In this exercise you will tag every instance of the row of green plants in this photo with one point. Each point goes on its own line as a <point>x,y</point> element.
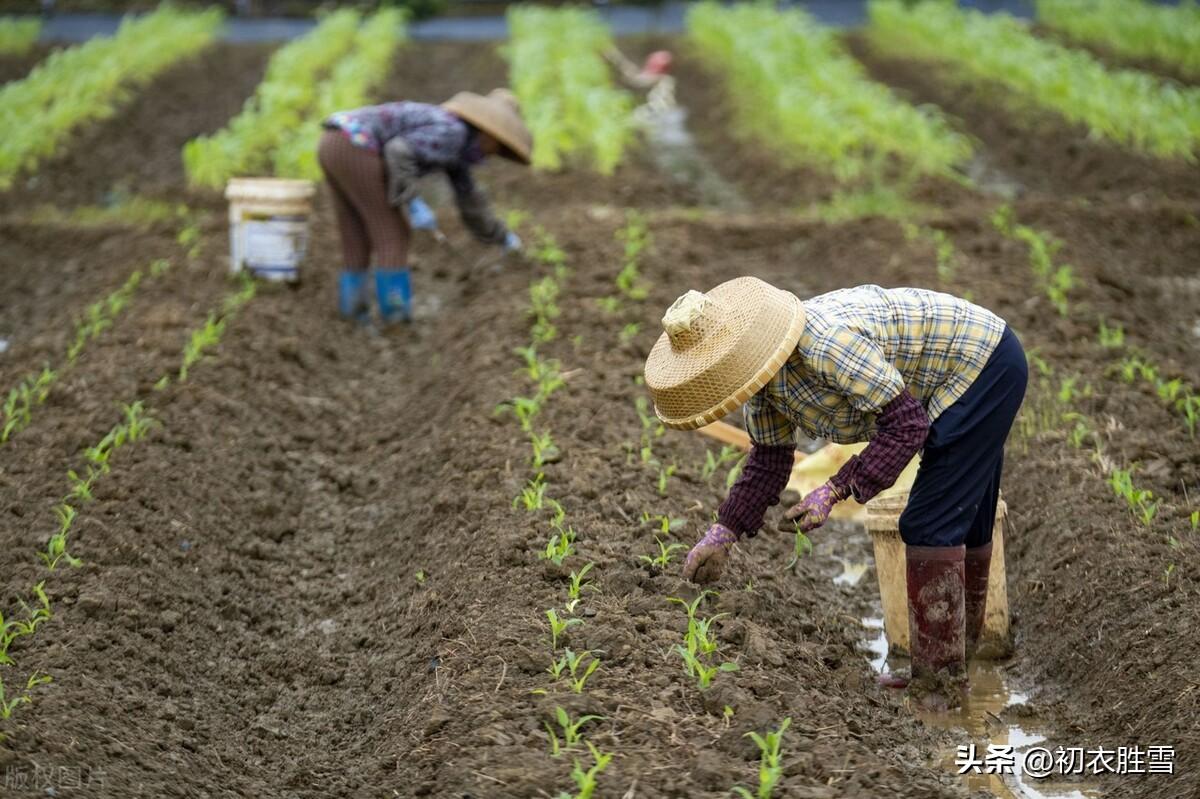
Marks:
<point>349,86</point>
<point>558,72</point>
<point>136,423</point>
<point>329,69</point>
<point>1052,278</point>
<point>91,81</point>
<point>800,92</point>
<point>34,388</point>
<point>1169,35</point>
<point>1130,108</point>
<point>574,669</point>
<point>18,36</point>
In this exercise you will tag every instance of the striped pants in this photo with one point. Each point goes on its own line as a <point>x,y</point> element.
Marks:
<point>367,222</point>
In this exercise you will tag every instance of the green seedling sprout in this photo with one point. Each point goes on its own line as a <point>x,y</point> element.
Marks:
<point>1111,338</point>
<point>695,667</point>
<point>574,664</point>
<point>570,729</point>
<point>420,576</point>
<point>770,770</point>
<point>532,496</point>
<point>629,332</point>
<point>1194,520</point>
<point>24,698</point>
<point>558,627</point>
<point>575,589</point>
<point>665,551</point>
<point>544,449</point>
<point>559,547</point>
<point>610,305</point>
<point>56,547</point>
<point>712,462</point>
<point>585,781</point>
<point>665,473</point>
<point>801,546</point>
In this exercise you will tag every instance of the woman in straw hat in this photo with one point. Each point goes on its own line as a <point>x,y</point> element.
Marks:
<point>905,369</point>
<point>372,158</point>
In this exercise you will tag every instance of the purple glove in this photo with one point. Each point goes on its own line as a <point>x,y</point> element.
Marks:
<point>707,559</point>
<point>812,511</point>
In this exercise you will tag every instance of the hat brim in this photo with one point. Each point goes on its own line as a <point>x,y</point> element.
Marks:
<point>476,110</point>
<point>778,358</point>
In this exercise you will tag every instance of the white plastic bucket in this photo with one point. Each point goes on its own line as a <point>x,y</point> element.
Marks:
<point>268,226</point>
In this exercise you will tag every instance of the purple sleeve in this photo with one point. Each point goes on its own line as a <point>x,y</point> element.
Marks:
<point>902,427</point>
<point>763,478</point>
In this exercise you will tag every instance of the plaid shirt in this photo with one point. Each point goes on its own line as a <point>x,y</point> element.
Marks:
<point>860,348</point>
<point>437,138</point>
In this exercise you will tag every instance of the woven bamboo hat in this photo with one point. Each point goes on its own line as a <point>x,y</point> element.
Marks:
<point>499,116</point>
<point>719,349</point>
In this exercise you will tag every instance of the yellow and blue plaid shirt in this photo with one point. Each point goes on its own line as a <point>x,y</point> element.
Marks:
<point>860,348</point>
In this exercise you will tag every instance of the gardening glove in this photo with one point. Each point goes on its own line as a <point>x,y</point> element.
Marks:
<point>706,560</point>
<point>512,242</point>
<point>420,215</point>
<point>812,511</point>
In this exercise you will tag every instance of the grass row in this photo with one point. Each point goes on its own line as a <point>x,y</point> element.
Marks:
<point>91,81</point>
<point>136,423</point>
<point>329,69</point>
<point>1130,108</point>
<point>799,92</point>
<point>1169,35</point>
<point>565,87</point>
<point>18,36</point>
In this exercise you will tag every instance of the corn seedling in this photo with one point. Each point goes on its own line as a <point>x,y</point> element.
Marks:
<point>666,525</point>
<point>575,589</point>
<point>1130,108</point>
<point>801,546</point>
<point>1141,502</point>
<point>804,95</point>
<point>570,729</point>
<point>585,781</point>
<point>544,450</point>
<point>636,238</point>
<point>1129,28</point>
<point>629,332</point>
<point>560,546</point>
<point>712,462</point>
<point>947,257</point>
<point>524,408</point>
<point>579,672</point>
<point>558,627</point>
<point>1055,281</point>
<point>770,769</point>
<point>533,495</point>
<point>610,305</point>
<point>12,629</point>
<point>7,706</point>
<point>699,645</point>
<point>665,473</point>
<point>1111,338</point>
<point>420,576</point>
<point>735,472</point>
<point>665,552</point>
<point>56,547</point>
<point>101,75</point>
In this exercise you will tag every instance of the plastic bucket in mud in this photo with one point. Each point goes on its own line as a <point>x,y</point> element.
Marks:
<point>883,522</point>
<point>268,226</point>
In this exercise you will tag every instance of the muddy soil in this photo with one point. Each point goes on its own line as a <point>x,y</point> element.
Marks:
<point>250,621</point>
<point>138,150</point>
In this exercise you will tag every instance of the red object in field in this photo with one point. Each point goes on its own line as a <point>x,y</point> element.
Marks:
<point>658,63</point>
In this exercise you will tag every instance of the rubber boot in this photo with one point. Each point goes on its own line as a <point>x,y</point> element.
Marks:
<point>977,571</point>
<point>353,302</point>
<point>393,288</point>
<point>936,623</point>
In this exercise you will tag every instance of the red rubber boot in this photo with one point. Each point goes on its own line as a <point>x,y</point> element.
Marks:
<point>978,564</point>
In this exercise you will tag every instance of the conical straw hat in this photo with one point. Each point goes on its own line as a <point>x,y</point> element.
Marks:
<point>499,115</point>
<point>719,349</point>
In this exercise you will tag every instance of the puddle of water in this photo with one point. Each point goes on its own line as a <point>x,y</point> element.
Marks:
<point>988,696</point>
<point>851,572</point>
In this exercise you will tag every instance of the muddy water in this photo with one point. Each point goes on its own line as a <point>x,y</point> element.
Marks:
<point>984,717</point>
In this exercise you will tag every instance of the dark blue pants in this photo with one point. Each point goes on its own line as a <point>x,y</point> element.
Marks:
<point>953,499</point>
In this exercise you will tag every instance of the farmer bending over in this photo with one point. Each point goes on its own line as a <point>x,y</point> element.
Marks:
<point>906,369</point>
<point>372,158</point>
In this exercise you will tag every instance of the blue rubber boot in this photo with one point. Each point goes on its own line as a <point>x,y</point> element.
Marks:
<point>393,288</point>
<point>353,301</point>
